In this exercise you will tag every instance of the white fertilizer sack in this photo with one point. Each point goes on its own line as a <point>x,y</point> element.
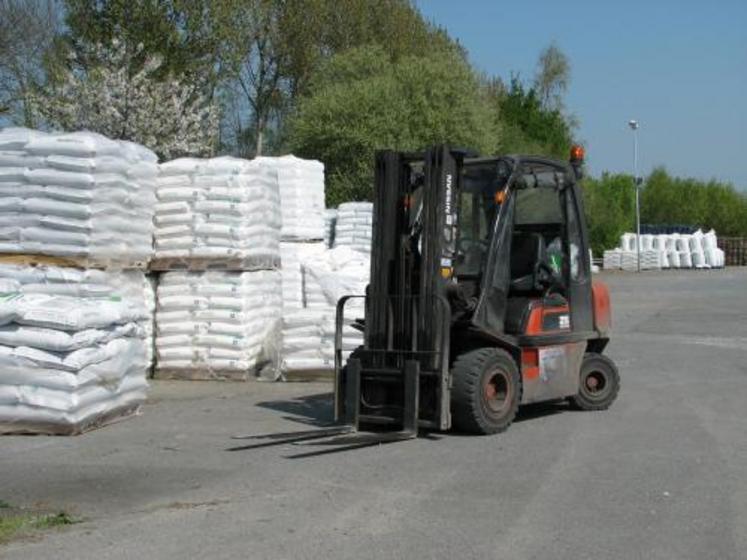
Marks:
<point>73,347</point>
<point>223,208</point>
<point>76,195</point>
<point>218,321</point>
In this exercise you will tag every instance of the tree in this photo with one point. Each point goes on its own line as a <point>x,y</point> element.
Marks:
<point>192,38</point>
<point>552,77</point>
<point>287,40</point>
<point>362,100</point>
<point>167,115</point>
<point>27,32</point>
<point>610,209</point>
<point>528,126</point>
<point>256,56</point>
<point>668,200</point>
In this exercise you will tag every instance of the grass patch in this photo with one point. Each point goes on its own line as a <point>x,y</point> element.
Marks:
<point>11,526</point>
<point>16,522</point>
<point>55,520</point>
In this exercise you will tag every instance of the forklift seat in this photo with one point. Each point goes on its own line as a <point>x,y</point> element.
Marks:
<point>527,251</point>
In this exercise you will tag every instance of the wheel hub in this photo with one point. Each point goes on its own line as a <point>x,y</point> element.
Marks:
<point>595,382</point>
<point>496,391</point>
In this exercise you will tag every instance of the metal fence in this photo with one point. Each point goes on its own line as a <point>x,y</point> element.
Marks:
<point>735,250</point>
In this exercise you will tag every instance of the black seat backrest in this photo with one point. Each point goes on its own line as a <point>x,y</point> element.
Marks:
<point>527,249</point>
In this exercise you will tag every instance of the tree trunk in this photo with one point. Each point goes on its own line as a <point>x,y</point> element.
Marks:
<point>260,136</point>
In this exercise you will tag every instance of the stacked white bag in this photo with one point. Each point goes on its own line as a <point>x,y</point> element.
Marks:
<point>224,209</point>
<point>73,348</point>
<point>666,251</point>
<point>301,183</point>
<point>298,293</point>
<point>354,226</point>
<point>612,259</point>
<point>218,324</point>
<point>305,309</point>
<point>223,214</point>
<point>308,334</point>
<point>714,257</point>
<point>76,195</point>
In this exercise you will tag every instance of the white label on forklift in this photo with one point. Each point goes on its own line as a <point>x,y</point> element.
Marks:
<point>551,362</point>
<point>565,322</point>
<point>446,262</point>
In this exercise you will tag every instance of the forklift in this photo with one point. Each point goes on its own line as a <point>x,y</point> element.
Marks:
<point>480,299</point>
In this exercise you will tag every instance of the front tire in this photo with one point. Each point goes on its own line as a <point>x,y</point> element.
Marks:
<point>486,391</point>
<point>599,383</point>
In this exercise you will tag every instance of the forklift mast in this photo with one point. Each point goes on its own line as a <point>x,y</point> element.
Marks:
<point>407,312</point>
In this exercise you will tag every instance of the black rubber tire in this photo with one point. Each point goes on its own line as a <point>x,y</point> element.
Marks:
<point>473,409</point>
<point>603,371</point>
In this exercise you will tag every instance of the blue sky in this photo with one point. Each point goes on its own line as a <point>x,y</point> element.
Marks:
<point>679,67</point>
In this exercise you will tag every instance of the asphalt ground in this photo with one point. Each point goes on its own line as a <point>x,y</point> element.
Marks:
<point>661,475</point>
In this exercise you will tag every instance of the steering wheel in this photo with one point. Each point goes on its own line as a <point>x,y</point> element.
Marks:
<point>547,279</point>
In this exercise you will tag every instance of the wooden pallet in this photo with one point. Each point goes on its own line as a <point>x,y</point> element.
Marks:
<point>310,375</point>
<point>165,264</point>
<point>68,262</point>
<point>202,374</point>
<point>50,429</point>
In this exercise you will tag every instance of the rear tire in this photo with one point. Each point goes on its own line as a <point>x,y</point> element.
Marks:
<point>599,383</point>
<point>486,391</point>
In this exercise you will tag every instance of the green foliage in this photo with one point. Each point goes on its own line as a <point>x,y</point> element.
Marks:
<point>15,522</point>
<point>711,204</point>
<point>609,203</point>
<point>298,36</point>
<point>192,37</point>
<point>54,520</point>
<point>528,126</point>
<point>363,100</point>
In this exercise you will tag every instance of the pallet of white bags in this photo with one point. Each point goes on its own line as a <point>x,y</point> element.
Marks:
<point>202,374</point>
<point>54,429</point>
<point>24,259</point>
<point>309,375</point>
<point>198,264</point>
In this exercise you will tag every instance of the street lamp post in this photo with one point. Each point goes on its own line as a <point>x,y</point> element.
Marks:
<point>633,124</point>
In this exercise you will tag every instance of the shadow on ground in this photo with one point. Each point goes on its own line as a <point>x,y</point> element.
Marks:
<point>312,410</point>
<point>318,409</point>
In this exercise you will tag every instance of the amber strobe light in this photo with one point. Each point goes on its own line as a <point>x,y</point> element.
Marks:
<point>577,153</point>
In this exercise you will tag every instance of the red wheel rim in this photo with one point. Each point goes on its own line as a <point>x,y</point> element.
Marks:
<point>496,391</point>
<point>595,384</point>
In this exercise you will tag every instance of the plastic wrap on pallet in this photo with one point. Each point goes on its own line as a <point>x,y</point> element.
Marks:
<point>78,195</point>
<point>73,347</point>
<point>301,183</point>
<point>218,324</point>
<point>223,210</point>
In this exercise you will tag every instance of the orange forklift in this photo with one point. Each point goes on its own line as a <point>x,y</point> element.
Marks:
<point>480,299</point>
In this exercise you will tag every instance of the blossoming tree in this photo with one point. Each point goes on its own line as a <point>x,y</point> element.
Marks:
<point>169,116</point>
